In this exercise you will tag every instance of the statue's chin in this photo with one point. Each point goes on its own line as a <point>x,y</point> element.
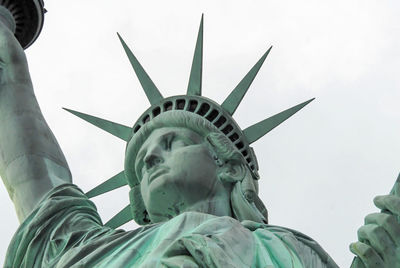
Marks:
<point>164,200</point>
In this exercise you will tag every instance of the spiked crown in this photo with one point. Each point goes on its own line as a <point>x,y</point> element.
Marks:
<point>193,102</point>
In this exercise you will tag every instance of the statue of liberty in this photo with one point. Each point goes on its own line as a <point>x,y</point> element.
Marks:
<point>193,179</point>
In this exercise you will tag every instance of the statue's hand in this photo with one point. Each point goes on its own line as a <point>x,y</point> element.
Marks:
<point>379,238</point>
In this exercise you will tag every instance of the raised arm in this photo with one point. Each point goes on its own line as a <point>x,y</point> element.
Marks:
<point>31,161</point>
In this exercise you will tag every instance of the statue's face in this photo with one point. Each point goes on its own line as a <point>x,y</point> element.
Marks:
<point>176,171</point>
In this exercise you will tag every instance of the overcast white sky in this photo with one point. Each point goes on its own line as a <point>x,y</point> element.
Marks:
<point>320,170</point>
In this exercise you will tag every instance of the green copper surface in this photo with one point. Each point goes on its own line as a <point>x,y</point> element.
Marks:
<point>231,103</point>
<point>118,130</point>
<point>378,242</point>
<point>191,239</point>
<point>113,183</point>
<point>195,79</point>
<point>193,92</point>
<point>258,130</point>
<point>395,186</point>
<point>31,161</point>
<point>195,189</point>
<point>152,92</point>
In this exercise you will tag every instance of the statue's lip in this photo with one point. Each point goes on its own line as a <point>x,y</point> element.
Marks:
<point>157,172</point>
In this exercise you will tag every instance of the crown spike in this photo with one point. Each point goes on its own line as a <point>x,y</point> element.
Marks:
<point>113,183</point>
<point>152,92</point>
<point>231,103</point>
<point>118,130</point>
<point>194,87</point>
<point>259,129</point>
<point>122,217</point>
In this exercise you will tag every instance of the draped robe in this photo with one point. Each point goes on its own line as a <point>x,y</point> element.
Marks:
<point>65,230</point>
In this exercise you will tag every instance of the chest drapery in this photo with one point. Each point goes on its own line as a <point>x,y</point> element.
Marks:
<point>66,231</point>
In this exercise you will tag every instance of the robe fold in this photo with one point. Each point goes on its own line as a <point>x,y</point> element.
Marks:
<point>65,230</point>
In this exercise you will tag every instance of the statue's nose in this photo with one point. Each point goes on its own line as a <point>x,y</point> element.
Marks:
<point>153,157</point>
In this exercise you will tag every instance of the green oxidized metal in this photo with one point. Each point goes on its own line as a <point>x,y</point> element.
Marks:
<point>193,102</point>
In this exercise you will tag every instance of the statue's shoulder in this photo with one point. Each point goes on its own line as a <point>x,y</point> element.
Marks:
<point>311,253</point>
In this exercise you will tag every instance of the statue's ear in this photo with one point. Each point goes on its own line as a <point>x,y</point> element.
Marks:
<point>232,170</point>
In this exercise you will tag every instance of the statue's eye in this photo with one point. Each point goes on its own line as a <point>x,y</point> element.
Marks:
<point>174,141</point>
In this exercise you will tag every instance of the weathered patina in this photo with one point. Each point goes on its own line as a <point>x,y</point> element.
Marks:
<point>194,186</point>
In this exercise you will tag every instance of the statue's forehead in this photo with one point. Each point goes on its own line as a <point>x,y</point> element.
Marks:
<point>158,133</point>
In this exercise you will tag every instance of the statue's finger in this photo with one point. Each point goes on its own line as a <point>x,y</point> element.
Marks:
<point>357,263</point>
<point>388,202</point>
<point>367,254</point>
<point>396,187</point>
<point>388,222</point>
<point>375,236</point>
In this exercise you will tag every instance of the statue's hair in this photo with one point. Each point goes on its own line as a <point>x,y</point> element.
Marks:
<point>244,198</point>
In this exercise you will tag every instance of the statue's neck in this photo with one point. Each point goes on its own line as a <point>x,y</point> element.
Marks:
<point>218,206</point>
<point>215,203</point>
